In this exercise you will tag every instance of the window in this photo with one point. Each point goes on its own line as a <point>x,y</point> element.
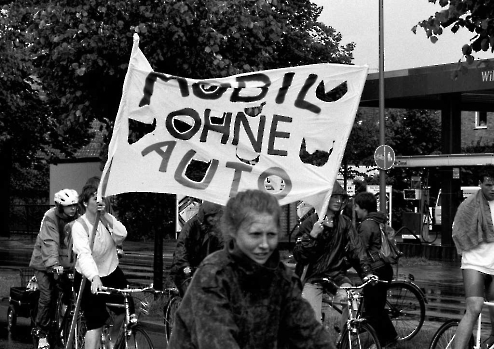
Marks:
<point>480,119</point>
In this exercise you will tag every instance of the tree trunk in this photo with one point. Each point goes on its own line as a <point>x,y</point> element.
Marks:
<point>6,161</point>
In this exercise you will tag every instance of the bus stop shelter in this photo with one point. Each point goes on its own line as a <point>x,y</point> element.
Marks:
<point>451,89</point>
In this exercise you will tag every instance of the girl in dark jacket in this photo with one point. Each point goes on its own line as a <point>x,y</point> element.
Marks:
<point>243,296</point>
<point>375,295</point>
<point>328,247</point>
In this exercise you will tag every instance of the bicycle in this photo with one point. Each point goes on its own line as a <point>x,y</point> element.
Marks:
<point>357,332</point>
<point>444,336</point>
<point>405,304</point>
<point>59,316</point>
<point>131,334</point>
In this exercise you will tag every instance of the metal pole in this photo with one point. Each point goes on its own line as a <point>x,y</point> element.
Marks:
<point>382,140</point>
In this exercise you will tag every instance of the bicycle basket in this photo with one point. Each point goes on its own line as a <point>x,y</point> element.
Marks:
<point>26,275</point>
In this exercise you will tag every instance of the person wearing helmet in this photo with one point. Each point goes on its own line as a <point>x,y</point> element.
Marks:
<point>46,258</point>
<point>199,237</point>
<point>328,247</point>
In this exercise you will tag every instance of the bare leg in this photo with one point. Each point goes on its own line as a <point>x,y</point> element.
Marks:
<point>474,293</point>
<point>115,329</point>
<point>93,338</point>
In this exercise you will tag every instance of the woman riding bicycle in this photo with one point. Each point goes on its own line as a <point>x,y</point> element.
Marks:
<point>99,264</point>
<point>328,247</point>
<point>47,261</point>
<point>244,296</point>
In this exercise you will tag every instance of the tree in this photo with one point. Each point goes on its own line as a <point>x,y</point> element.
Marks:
<point>408,132</point>
<point>79,50</point>
<point>476,16</point>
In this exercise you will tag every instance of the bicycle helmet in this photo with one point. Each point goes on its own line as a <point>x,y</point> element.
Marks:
<point>66,197</point>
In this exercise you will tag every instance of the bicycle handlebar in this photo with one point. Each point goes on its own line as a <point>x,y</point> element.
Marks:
<point>109,290</point>
<point>328,283</point>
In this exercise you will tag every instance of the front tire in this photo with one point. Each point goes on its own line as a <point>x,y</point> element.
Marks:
<point>443,338</point>
<point>360,336</point>
<point>169,313</point>
<point>139,339</point>
<point>406,308</point>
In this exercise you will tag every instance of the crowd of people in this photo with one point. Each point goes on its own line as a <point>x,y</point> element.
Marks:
<point>226,266</point>
<point>237,293</point>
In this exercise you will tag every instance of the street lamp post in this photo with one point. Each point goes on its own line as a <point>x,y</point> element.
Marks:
<point>382,139</point>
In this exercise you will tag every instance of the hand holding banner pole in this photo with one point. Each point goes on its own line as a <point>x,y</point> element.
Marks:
<point>322,213</point>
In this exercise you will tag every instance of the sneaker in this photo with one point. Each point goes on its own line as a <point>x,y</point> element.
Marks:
<point>43,343</point>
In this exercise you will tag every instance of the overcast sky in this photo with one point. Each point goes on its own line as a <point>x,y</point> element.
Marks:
<point>358,21</point>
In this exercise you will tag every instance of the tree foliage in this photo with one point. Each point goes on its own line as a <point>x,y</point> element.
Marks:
<point>408,132</point>
<point>474,15</point>
<point>77,54</point>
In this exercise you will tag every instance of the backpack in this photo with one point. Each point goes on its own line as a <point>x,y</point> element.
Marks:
<point>389,252</point>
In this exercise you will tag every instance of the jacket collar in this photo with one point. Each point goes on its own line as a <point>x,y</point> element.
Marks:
<point>247,264</point>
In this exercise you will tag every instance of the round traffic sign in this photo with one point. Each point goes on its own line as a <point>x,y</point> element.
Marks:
<point>384,156</point>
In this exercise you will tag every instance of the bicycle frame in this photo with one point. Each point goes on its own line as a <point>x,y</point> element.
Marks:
<point>127,325</point>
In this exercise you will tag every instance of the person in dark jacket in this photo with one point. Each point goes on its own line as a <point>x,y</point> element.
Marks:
<point>199,237</point>
<point>244,296</point>
<point>375,294</point>
<point>328,247</point>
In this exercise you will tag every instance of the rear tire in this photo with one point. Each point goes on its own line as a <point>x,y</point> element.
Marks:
<point>169,315</point>
<point>406,308</point>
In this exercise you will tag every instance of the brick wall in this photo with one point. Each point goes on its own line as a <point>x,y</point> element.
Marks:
<point>470,134</point>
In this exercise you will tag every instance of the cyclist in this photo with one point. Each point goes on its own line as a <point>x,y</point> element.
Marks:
<point>46,259</point>
<point>99,264</point>
<point>244,296</point>
<point>199,237</point>
<point>473,235</point>
<point>328,247</point>
<point>365,206</point>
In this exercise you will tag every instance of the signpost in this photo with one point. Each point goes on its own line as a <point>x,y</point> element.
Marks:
<point>384,156</point>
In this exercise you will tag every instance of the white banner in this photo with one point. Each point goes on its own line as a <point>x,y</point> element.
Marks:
<point>249,129</point>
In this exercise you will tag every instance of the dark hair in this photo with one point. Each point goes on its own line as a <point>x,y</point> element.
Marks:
<point>87,192</point>
<point>245,205</point>
<point>486,171</point>
<point>366,201</point>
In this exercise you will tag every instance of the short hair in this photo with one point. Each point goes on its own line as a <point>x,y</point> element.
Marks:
<point>366,201</point>
<point>486,171</point>
<point>87,192</point>
<point>244,206</point>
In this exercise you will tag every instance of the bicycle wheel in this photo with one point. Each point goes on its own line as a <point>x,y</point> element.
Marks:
<point>444,336</point>
<point>406,309</point>
<point>360,336</point>
<point>79,330</point>
<point>139,339</point>
<point>169,312</point>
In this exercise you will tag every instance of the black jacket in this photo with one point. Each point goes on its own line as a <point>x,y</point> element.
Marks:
<point>333,252</point>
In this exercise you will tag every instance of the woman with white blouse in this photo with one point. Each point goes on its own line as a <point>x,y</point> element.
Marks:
<point>98,263</point>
